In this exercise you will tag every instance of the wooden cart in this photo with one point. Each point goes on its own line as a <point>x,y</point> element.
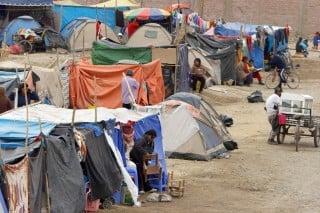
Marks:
<point>300,125</point>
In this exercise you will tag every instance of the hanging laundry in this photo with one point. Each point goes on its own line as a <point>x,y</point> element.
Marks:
<point>65,177</point>
<point>17,185</point>
<point>36,179</point>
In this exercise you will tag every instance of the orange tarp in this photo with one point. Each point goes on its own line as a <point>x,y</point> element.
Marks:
<point>108,84</point>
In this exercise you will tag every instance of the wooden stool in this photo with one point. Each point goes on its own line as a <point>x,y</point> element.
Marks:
<point>175,187</point>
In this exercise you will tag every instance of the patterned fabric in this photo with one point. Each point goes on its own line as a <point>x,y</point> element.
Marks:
<point>17,185</point>
<point>80,139</point>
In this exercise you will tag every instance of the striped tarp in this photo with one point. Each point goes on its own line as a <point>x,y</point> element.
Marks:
<point>27,2</point>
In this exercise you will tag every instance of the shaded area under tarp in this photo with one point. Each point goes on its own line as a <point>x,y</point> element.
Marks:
<point>51,37</point>
<point>103,53</point>
<point>217,49</point>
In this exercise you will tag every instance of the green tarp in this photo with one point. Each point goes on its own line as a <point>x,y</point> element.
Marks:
<point>104,53</point>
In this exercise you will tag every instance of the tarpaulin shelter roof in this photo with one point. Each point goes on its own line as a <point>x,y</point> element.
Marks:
<point>108,84</point>
<point>26,2</point>
<point>107,4</point>
<point>107,53</point>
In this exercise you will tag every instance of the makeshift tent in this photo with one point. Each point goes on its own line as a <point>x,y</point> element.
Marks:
<point>107,53</point>
<point>150,34</point>
<point>258,40</point>
<point>217,49</point>
<point>81,33</point>
<point>212,66</point>
<point>108,84</point>
<point>21,22</point>
<point>105,11</point>
<point>52,116</point>
<point>51,37</point>
<point>48,87</point>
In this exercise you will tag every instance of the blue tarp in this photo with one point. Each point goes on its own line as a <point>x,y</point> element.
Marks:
<point>143,125</point>
<point>233,29</point>
<point>15,25</point>
<point>13,132</point>
<point>70,13</point>
<point>26,2</point>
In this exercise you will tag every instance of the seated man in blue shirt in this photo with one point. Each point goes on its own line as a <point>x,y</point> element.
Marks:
<point>32,97</point>
<point>277,64</point>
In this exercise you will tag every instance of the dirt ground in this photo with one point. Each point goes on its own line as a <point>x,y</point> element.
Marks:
<point>258,177</point>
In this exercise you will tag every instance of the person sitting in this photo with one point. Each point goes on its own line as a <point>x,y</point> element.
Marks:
<point>255,72</point>
<point>142,147</point>
<point>298,47</point>
<point>5,103</point>
<point>304,47</point>
<point>197,74</point>
<point>23,90</point>
<point>244,76</point>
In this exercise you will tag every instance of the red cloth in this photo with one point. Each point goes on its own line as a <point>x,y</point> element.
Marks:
<point>257,76</point>
<point>132,27</point>
<point>249,42</point>
<point>98,30</point>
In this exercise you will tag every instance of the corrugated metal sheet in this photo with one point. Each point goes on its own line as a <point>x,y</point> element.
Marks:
<point>27,2</point>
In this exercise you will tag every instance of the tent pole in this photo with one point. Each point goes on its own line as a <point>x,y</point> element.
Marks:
<point>27,109</point>
<point>105,20</point>
<point>95,98</point>
<point>83,35</point>
<point>73,116</point>
<point>97,21</point>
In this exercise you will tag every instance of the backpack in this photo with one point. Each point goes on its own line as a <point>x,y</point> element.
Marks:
<point>255,97</point>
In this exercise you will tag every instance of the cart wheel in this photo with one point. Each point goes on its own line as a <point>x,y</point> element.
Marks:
<point>316,136</point>
<point>297,135</point>
<point>26,46</point>
<point>281,134</point>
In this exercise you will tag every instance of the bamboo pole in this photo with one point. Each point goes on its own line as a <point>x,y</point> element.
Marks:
<point>27,109</point>
<point>95,98</point>
<point>97,34</point>
<point>105,20</point>
<point>83,37</point>
<point>73,116</point>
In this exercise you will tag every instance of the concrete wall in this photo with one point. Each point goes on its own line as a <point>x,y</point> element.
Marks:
<point>302,15</point>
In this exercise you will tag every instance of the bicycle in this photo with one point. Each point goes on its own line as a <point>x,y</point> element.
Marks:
<point>286,56</point>
<point>287,77</point>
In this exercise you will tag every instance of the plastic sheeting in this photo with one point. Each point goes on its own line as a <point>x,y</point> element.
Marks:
<point>183,69</point>
<point>13,132</point>
<point>108,84</point>
<point>68,14</point>
<point>105,54</point>
<point>223,50</point>
<point>26,2</point>
<point>65,177</point>
<point>233,29</point>
<point>143,125</point>
<point>9,83</point>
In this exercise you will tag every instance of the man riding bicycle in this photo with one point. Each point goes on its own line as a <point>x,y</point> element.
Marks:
<point>278,65</point>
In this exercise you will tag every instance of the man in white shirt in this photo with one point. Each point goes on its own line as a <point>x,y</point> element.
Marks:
<point>272,108</point>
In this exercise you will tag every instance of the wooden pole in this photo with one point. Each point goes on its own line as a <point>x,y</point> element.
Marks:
<point>83,36</point>
<point>95,98</point>
<point>27,109</point>
<point>105,20</point>
<point>73,116</point>
<point>97,34</point>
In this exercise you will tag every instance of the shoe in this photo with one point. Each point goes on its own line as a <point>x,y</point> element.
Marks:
<point>272,142</point>
<point>141,192</point>
<point>261,83</point>
<point>153,190</point>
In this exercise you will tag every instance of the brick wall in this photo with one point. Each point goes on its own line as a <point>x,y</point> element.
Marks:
<point>302,15</point>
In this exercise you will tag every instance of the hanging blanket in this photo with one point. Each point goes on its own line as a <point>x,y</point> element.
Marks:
<point>17,185</point>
